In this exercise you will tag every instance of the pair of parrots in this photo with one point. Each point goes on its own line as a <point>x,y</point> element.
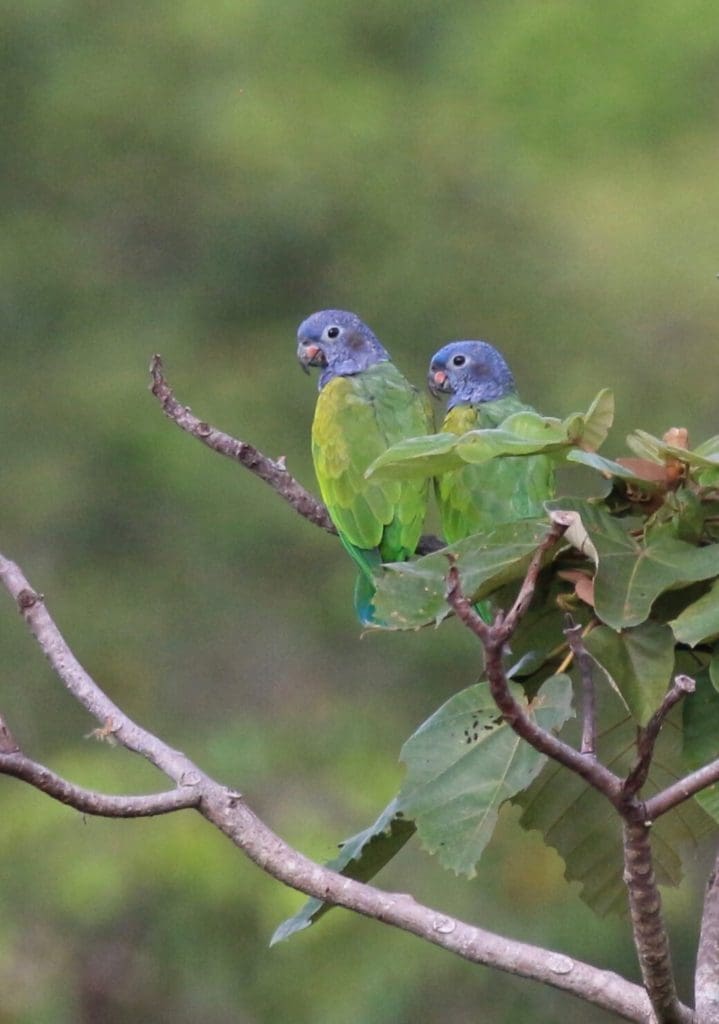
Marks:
<point>365,405</point>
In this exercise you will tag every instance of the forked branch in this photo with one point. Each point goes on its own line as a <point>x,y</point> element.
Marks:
<point>649,931</point>
<point>230,813</point>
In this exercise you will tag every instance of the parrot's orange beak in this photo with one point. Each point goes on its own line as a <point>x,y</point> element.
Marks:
<point>437,382</point>
<point>310,354</point>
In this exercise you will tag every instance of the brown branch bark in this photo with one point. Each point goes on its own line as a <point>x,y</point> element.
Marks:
<point>272,471</point>
<point>493,640</point>
<point>649,933</point>
<point>680,791</point>
<point>88,801</point>
<point>706,977</point>
<point>573,633</point>
<point>648,736</point>
<point>650,936</point>
<point>506,626</point>
<point>229,812</point>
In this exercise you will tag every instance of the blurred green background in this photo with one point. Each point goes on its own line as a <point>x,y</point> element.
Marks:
<point>194,179</point>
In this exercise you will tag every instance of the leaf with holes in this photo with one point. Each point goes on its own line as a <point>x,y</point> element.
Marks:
<point>583,827</point>
<point>464,762</point>
<point>361,857</point>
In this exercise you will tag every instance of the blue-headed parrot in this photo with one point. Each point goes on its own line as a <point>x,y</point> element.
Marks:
<point>364,406</point>
<point>478,497</point>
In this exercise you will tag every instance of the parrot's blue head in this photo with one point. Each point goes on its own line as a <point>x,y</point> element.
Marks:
<point>471,372</point>
<point>339,343</point>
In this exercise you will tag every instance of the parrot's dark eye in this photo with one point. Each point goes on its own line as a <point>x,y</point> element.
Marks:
<point>459,361</point>
<point>333,332</point>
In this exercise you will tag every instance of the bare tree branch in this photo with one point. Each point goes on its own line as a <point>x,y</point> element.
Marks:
<point>272,471</point>
<point>706,977</point>
<point>681,790</point>
<point>649,933</point>
<point>648,736</point>
<point>230,813</point>
<point>573,633</point>
<point>90,802</point>
<point>529,584</point>
<point>493,639</point>
<point>650,936</point>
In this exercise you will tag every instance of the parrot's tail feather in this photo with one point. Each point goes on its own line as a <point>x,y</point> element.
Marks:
<point>363,600</point>
<point>369,562</point>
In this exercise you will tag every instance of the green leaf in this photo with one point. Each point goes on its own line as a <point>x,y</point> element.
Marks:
<point>701,728</point>
<point>687,515</point>
<point>706,456</point>
<point>464,762</point>
<point>597,421</point>
<point>714,669</point>
<point>646,446</point>
<point>583,826</point>
<point>613,469</point>
<point>632,573</point>
<point>522,433</point>
<point>639,662</point>
<point>700,621</point>
<point>411,594</point>
<point>361,857</point>
<point>708,477</point>
<point>417,457</point>
<point>525,433</point>
<point>708,448</point>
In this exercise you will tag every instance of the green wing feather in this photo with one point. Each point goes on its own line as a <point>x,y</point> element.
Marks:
<point>356,419</point>
<point>476,498</point>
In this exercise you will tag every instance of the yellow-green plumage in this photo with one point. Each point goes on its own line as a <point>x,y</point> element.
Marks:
<point>358,417</point>
<point>477,498</point>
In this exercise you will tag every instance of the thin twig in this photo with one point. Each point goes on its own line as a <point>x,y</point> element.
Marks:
<point>272,471</point>
<point>648,736</point>
<point>706,986</point>
<point>573,633</point>
<point>681,790</point>
<point>230,813</point>
<point>89,801</point>
<point>529,584</point>
<point>493,639</point>
<point>649,932</point>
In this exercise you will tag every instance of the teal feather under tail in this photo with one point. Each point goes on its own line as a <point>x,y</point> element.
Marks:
<point>369,563</point>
